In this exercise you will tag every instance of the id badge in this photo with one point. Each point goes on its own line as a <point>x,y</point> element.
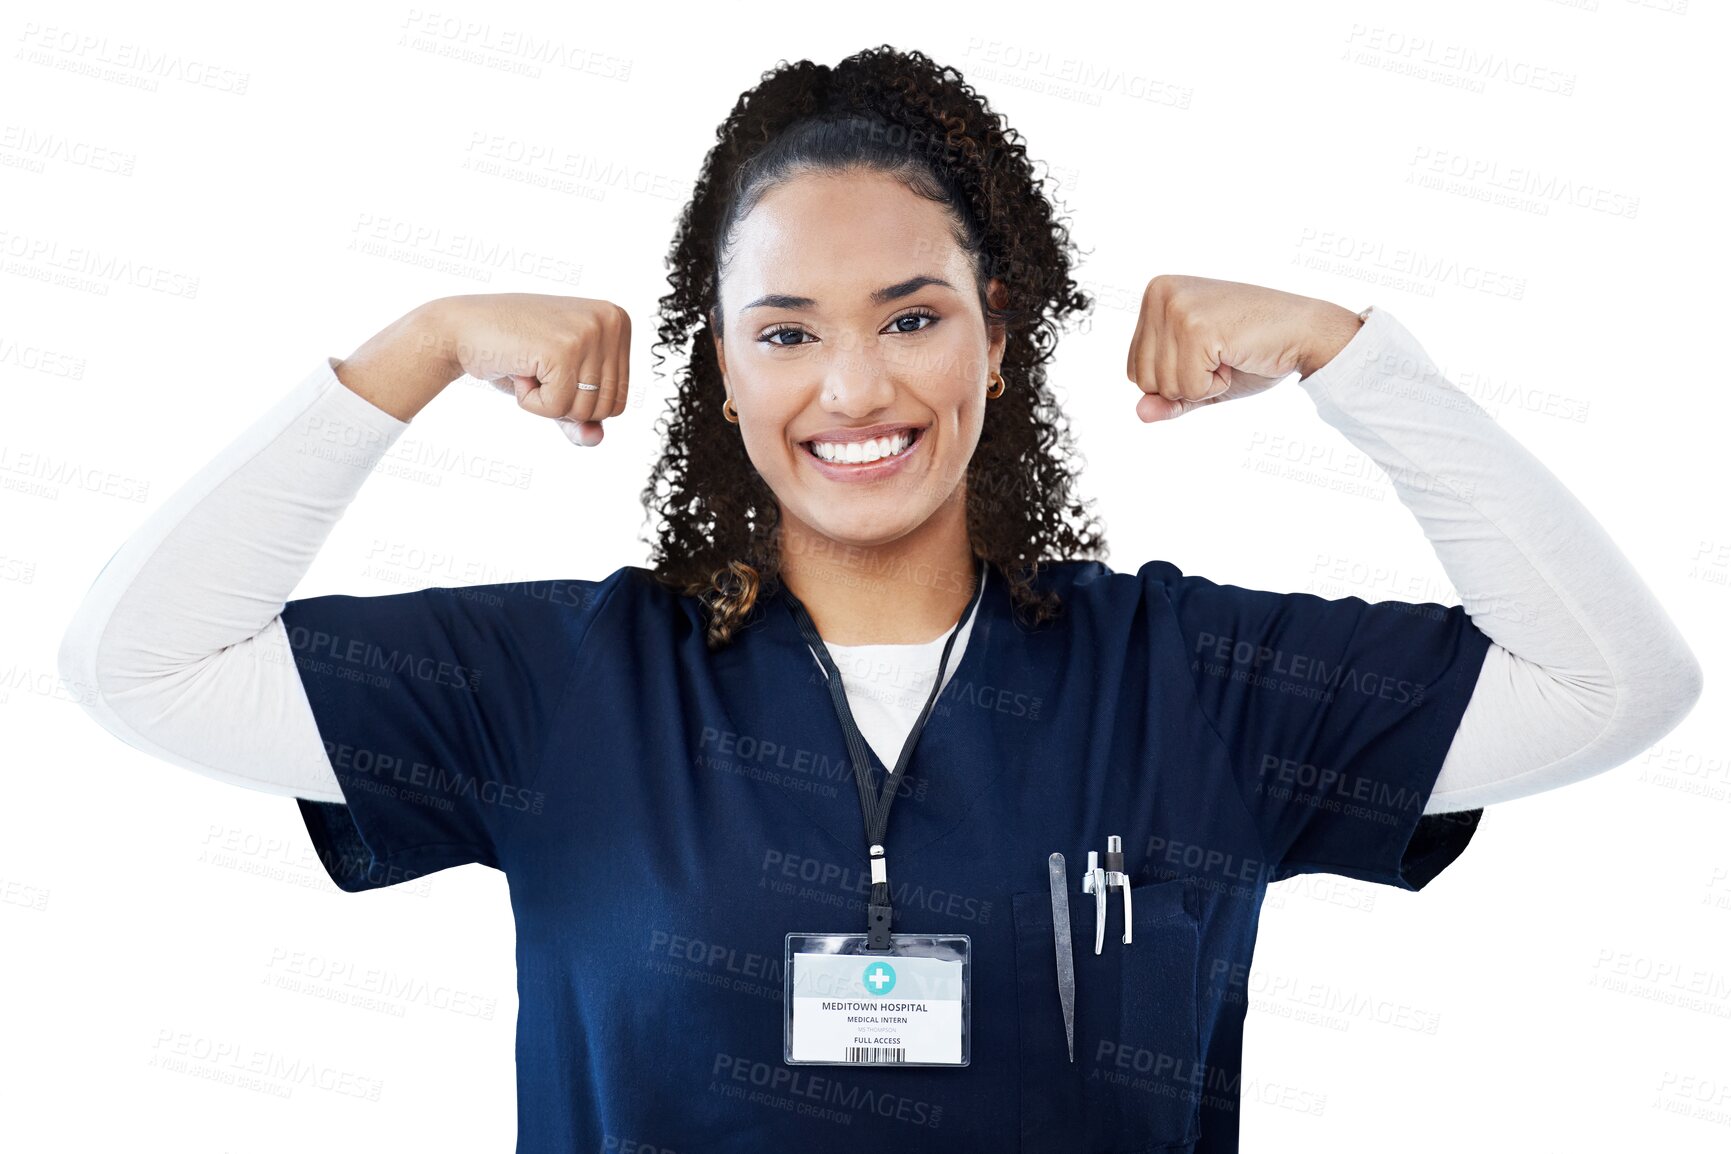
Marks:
<point>843,1005</point>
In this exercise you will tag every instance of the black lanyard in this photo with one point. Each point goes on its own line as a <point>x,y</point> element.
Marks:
<point>873,804</point>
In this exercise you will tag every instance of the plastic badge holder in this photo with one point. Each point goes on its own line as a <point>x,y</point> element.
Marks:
<point>905,1006</point>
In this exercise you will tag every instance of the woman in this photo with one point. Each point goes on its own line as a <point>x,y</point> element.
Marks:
<point>865,501</point>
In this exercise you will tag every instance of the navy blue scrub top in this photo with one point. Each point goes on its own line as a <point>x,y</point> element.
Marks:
<point>665,815</point>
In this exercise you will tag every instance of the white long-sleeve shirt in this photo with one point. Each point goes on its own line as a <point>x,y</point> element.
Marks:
<point>180,646</point>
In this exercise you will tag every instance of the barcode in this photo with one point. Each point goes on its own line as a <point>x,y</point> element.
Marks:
<point>876,1054</point>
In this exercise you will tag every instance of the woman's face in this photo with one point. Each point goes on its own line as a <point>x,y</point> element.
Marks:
<point>854,331</point>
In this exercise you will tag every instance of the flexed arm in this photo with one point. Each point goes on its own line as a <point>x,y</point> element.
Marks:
<point>178,647</point>
<point>1586,669</point>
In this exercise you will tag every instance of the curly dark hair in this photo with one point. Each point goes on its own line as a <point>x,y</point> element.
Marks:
<point>879,110</point>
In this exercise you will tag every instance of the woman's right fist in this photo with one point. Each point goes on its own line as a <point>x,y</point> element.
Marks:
<point>565,358</point>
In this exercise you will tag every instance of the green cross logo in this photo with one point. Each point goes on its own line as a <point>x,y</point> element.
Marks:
<point>880,978</point>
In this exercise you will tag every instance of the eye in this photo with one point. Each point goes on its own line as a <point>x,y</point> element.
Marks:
<point>769,336</point>
<point>922,311</point>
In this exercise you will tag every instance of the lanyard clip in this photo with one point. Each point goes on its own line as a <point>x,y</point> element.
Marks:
<point>1097,880</point>
<point>878,916</point>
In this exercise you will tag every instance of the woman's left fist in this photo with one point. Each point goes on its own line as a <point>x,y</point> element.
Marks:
<point>1199,341</point>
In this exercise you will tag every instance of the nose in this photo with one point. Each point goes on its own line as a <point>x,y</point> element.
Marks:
<point>856,386</point>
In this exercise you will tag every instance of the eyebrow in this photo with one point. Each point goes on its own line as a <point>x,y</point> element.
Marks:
<point>882,296</point>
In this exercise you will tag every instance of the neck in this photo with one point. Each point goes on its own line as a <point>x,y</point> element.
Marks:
<point>907,591</point>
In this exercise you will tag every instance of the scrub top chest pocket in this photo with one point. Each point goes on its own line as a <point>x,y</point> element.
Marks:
<point>1134,1086</point>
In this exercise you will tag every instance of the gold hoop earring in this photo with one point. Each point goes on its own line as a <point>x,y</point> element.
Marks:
<point>996,388</point>
<point>728,411</point>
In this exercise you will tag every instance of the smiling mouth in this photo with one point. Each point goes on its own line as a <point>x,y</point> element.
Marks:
<point>864,452</point>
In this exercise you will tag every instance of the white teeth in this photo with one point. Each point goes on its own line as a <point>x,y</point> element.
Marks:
<point>860,452</point>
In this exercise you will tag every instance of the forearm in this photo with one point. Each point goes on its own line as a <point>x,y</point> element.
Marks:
<point>404,366</point>
<point>1587,668</point>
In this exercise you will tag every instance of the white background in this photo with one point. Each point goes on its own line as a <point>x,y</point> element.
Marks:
<point>190,183</point>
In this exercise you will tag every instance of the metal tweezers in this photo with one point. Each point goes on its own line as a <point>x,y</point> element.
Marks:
<point>1066,959</point>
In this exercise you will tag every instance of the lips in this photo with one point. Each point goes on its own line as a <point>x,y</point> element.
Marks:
<point>863,450</point>
<point>864,471</point>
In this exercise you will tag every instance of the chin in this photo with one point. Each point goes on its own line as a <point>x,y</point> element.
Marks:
<point>878,526</point>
